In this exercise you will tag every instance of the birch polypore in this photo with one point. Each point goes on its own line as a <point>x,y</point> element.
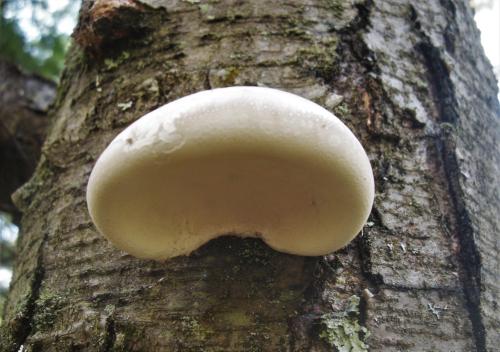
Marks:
<point>246,161</point>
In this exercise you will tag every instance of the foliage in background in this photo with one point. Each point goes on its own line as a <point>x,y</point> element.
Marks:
<point>31,35</point>
<point>8,234</point>
<point>34,35</point>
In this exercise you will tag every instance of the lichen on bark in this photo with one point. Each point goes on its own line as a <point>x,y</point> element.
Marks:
<point>367,63</point>
<point>343,331</point>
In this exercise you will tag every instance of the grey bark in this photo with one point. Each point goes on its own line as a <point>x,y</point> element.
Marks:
<point>410,79</point>
<point>24,103</point>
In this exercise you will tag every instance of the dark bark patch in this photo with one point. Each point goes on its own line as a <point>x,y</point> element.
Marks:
<point>105,26</point>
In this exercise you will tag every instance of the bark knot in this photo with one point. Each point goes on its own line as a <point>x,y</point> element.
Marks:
<point>103,22</point>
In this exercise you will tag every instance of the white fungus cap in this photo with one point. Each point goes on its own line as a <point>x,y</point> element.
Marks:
<point>247,161</point>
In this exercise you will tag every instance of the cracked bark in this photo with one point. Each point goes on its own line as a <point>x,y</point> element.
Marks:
<point>417,91</point>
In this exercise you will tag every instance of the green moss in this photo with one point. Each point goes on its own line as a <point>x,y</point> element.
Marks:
<point>236,318</point>
<point>296,32</point>
<point>47,306</point>
<point>192,327</point>
<point>17,319</point>
<point>342,109</point>
<point>111,64</point>
<point>342,331</point>
<point>337,6</point>
<point>319,57</point>
<point>19,310</point>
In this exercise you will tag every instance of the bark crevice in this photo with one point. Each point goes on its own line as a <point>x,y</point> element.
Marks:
<point>110,334</point>
<point>445,100</point>
<point>23,326</point>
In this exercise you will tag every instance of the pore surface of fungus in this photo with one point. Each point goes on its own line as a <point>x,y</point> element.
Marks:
<point>247,161</point>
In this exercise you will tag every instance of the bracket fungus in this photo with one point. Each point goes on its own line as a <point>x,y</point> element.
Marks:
<point>250,161</point>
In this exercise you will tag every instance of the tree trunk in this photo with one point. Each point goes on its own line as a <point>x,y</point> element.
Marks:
<point>24,102</point>
<point>409,78</point>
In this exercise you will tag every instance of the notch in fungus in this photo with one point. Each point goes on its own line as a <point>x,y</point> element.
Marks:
<point>250,161</point>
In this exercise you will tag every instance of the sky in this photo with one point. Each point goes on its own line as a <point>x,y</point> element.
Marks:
<point>488,21</point>
<point>8,233</point>
<point>25,13</point>
<point>487,18</point>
